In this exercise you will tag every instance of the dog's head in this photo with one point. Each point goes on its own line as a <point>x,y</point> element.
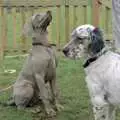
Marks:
<point>86,40</point>
<point>41,21</point>
<point>38,23</point>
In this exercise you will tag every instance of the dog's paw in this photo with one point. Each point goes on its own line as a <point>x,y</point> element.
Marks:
<point>59,107</point>
<point>36,110</point>
<point>50,112</point>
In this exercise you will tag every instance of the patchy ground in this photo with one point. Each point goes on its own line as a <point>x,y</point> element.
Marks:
<point>74,94</point>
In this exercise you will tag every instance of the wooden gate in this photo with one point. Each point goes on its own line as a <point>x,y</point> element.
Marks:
<point>67,14</point>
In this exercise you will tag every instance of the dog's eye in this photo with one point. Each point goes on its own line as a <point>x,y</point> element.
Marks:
<point>80,40</point>
<point>38,15</point>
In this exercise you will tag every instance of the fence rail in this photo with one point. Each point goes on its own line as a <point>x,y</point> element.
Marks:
<point>67,14</point>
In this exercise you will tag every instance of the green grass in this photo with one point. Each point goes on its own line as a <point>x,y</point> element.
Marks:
<point>74,95</point>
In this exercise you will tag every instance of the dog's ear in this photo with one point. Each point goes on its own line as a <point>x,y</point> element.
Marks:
<point>73,33</point>
<point>96,41</point>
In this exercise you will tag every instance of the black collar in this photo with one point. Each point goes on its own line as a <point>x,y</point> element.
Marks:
<point>90,60</point>
<point>38,43</point>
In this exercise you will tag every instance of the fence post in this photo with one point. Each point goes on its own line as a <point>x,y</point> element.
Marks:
<point>89,12</point>
<point>24,41</point>
<point>95,12</point>
<point>1,37</point>
<point>74,16</point>
<point>3,30</point>
<point>85,14</point>
<point>66,20</point>
<point>14,29</point>
<point>58,26</point>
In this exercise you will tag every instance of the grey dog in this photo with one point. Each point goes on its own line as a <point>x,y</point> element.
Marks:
<point>39,68</point>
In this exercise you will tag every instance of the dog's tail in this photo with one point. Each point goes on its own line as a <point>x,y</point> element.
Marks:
<point>5,89</point>
<point>10,102</point>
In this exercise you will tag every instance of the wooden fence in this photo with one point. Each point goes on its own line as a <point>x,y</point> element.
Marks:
<point>67,14</point>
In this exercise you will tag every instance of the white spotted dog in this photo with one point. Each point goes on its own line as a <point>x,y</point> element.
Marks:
<point>102,69</point>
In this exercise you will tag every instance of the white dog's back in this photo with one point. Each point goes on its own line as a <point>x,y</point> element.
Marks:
<point>103,77</point>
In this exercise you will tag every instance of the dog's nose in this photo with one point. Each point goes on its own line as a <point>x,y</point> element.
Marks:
<point>65,51</point>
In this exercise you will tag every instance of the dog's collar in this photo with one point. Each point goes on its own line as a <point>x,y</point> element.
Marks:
<point>94,58</point>
<point>34,44</point>
<point>38,43</point>
<point>88,61</point>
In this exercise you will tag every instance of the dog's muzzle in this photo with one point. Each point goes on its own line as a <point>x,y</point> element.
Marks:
<point>65,51</point>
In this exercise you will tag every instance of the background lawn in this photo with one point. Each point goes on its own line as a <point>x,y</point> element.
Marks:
<point>74,95</point>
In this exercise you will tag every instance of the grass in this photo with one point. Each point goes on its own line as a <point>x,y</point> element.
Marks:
<point>74,93</point>
<point>70,77</point>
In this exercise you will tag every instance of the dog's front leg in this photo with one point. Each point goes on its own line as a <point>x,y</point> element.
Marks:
<point>101,108</point>
<point>44,95</point>
<point>104,112</point>
<point>53,86</point>
<point>112,111</point>
<point>53,89</point>
<point>100,112</point>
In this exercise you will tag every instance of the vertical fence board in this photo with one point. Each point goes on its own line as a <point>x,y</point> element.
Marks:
<point>85,14</point>
<point>66,22</point>
<point>4,29</point>
<point>110,24</point>
<point>106,19</point>
<point>95,11</point>
<point>79,12</point>
<point>23,38</point>
<point>100,17</point>
<point>74,16</point>
<point>62,27</point>
<point>14,29</point>
<point>71,20</point>
<point>103,17</point>
<point>58,12</point>
<point>89,12</point>
<point>1,37</point>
